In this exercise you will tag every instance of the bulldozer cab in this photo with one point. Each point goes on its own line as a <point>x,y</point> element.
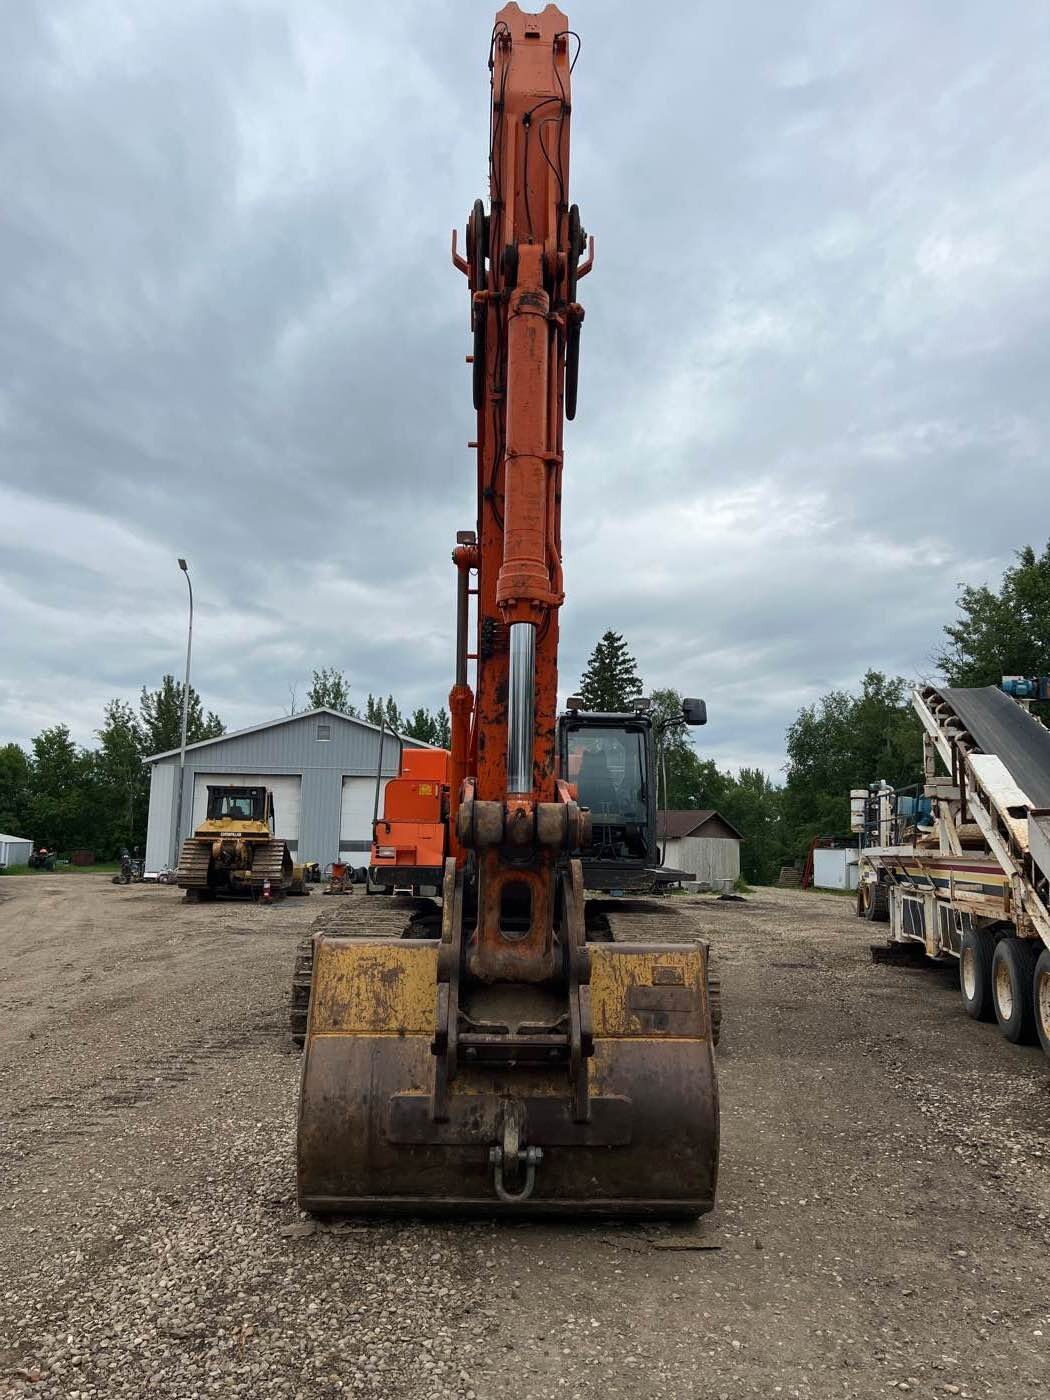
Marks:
<point>240,804</point>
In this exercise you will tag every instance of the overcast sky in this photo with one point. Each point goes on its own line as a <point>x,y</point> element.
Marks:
<point>814,376</point>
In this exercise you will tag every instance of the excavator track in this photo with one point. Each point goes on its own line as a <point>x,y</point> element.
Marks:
<point>193,865</point>
<point>301,979</point>
<point>651,921</point>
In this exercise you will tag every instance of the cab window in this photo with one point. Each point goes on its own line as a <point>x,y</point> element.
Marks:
<point>608,766</point>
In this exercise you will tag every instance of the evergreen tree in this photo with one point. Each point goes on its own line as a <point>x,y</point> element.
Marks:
<point>442,729</point>
<point>394,721</point>
<point>385,712</point>
<point>160,719</point>
<point>330,690</point>
<point>610,681</point>
<point>421,725</point>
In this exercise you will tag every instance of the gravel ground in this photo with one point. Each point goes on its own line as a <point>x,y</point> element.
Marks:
<point>882,1225</point>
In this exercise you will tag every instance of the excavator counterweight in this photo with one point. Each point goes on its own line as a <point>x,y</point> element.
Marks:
<point>511,1066</point>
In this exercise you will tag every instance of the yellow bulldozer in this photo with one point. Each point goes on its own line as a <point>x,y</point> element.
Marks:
<point>234,850</point>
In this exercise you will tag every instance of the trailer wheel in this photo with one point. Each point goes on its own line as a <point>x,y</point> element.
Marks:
<point>1013,976</point>
<point>975,973</point>
<point>873,901</point>
<point>1041,999</point>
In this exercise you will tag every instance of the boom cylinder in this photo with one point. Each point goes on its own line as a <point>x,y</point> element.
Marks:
<point>524,579</point>
<point>521,706</point>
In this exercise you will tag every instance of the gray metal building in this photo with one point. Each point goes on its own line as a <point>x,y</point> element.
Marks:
<point>321,767</point>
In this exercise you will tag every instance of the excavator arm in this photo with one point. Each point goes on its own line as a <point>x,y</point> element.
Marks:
<point>509,1066</point>
<point>522,267</point>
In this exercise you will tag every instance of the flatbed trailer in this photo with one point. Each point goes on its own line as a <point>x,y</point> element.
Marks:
<point>972,880</point>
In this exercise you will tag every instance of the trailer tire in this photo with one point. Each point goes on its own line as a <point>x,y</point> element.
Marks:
<point>1041,999</point>
<point>1013,977</point>
<point>975,973</point>
<point>873,901</point>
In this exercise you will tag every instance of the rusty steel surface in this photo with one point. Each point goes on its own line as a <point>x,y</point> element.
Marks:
<point>369,1143</point>
<point>519,300</point>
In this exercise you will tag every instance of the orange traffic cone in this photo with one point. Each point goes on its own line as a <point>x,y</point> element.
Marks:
<point>267,897</point>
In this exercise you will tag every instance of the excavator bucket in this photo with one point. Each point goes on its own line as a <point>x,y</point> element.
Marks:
<point>382,1131</point>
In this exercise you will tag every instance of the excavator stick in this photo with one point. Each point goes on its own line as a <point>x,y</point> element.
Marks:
<point>406,1108</point>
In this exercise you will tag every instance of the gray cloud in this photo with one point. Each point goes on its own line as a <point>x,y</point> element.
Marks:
<point>816,343</point>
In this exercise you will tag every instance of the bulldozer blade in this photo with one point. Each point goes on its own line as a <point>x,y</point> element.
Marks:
<point>375,1138</point>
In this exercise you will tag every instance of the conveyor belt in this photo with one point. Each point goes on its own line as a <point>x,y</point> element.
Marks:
<point>998,725</point>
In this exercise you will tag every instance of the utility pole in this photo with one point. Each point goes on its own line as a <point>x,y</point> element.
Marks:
<point>185,717</point>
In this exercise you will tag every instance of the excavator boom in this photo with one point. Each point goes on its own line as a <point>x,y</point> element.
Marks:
<point>510,1066</point>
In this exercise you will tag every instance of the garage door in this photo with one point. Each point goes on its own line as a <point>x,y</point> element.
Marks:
<point>355,816</point>
<point>287,797</point>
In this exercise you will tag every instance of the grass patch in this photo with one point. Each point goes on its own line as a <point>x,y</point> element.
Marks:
<point>102,867</point>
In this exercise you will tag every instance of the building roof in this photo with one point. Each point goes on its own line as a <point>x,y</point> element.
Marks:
<point>286,719</point>
<point>22,840</point>
<point>673,825</point>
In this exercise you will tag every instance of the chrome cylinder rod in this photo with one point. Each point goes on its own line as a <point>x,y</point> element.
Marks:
<point>521,708</point>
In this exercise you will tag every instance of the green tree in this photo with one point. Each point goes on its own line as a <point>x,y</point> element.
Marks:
<point>1004,633</point>
<point>429,728</point>
<point>385,712</point>
<point>121,778</point>
<point>64,790</point>
<point>330,690</point>
<point>160,718</point>
<point>394,719</point>
<point>443,729</point>
<point>15,790</point>
<point>753,803</point>
<point>610,681</point>
<point>846,741</point>
<point>692,782</point>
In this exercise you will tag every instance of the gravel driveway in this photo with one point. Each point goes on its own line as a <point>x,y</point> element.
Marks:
<point>882,1226</point>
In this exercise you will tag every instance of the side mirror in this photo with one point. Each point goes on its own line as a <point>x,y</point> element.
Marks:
<point>694,711</point>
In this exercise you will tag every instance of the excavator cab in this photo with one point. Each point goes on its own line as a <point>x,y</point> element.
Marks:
<point>612,760</point>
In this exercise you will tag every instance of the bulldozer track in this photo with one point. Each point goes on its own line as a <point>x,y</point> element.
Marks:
<point>269,862</point>
<point>194,862</point>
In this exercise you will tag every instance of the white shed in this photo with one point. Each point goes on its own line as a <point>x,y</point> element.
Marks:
<point>702,843</point>
<point>15,850</point>
<point>836,868</point>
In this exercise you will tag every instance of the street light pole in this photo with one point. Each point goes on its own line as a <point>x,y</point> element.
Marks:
<point>185,717</point>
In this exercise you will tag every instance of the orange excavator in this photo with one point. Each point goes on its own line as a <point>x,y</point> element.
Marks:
<point>510,1066</point>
